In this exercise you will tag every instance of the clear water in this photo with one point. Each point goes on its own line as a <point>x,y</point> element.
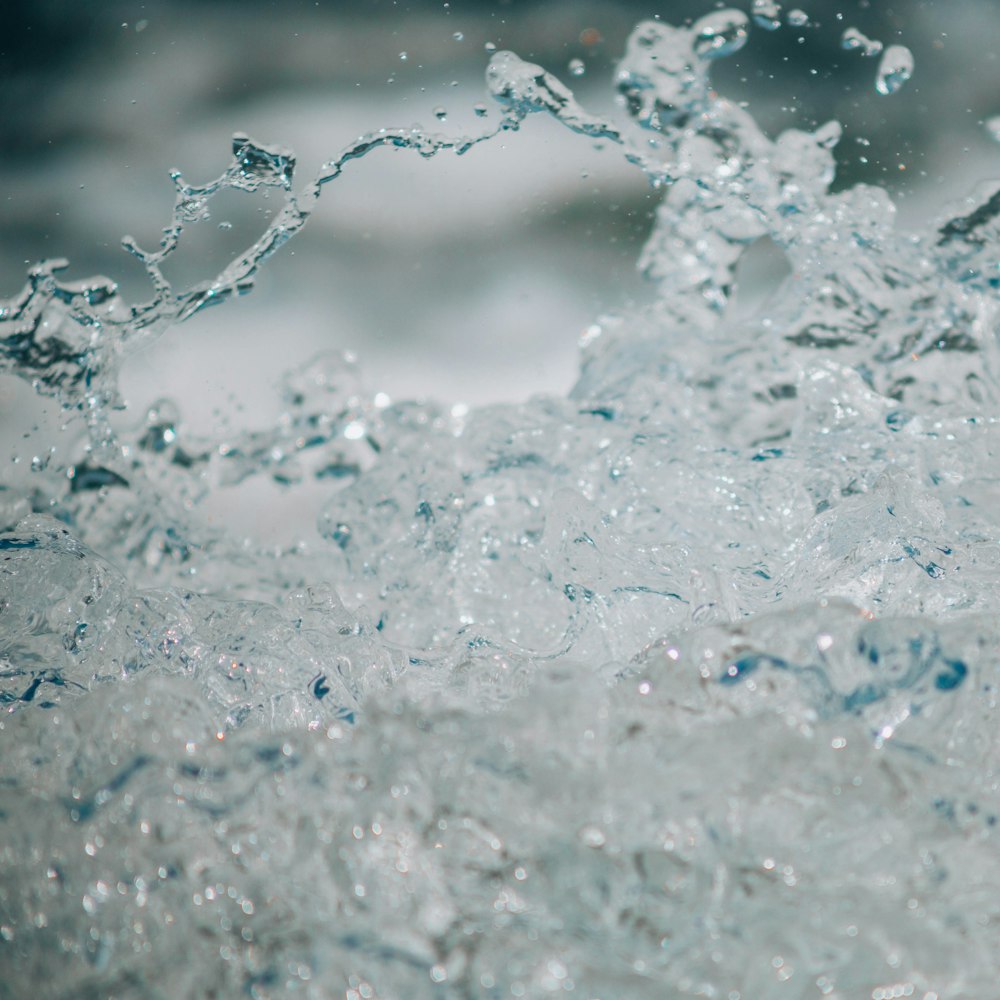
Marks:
<point>683,685</point>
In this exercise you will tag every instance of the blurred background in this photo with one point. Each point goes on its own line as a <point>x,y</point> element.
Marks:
<point>463,279</point>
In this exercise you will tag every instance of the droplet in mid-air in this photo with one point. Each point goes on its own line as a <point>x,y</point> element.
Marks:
<point>993,127</point>
<point>766,14</point>
<point>480,110</point>
<point>894,70</point>
<point>440,113</point>
<point>720,33</point>
<point>853,40</point>
<point>576,67</point>
<point>798,18</point>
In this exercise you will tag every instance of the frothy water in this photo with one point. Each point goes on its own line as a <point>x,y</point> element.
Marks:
<point>682,685</point>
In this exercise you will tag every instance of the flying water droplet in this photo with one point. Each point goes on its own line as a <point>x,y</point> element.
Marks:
<point>458,36</point>
<point>854,40</point>
<point>993,127</point>
<point>894,70</point>
<point>720,34</point>
<point>480,110</point>
<point>440,113</point>
<point>766,14</point>
<point>576,67</point>
<point>798,18</point>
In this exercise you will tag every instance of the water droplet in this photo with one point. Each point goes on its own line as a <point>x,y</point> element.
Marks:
<point>854,40</point>
<point>766,14</point>
<point>441,114</point>
<point>225,225</point>
<point>720,33</point>
<point>993,127</point>
<point>458,36</point>
<point>480,110</point>
<point>403,56</point>
<point>894,70</point>
<point>490,47</point>
<point>592,836</point>
<point>576,67</point>
<point>798,18</point>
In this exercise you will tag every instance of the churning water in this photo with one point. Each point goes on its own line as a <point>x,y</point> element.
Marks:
<point>683,685</point>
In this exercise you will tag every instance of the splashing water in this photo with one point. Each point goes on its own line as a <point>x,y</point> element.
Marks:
<point>682,685</point>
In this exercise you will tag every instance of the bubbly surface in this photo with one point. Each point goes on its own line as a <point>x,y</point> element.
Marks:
<point>682,685</point>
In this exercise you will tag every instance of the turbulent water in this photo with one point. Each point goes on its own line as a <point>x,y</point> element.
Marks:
<point>684,685</point>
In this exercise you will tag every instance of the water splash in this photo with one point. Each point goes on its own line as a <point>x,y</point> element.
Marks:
<point>680,685</point>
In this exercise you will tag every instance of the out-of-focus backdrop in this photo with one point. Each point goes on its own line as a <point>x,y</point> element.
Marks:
<point>465,279</point>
